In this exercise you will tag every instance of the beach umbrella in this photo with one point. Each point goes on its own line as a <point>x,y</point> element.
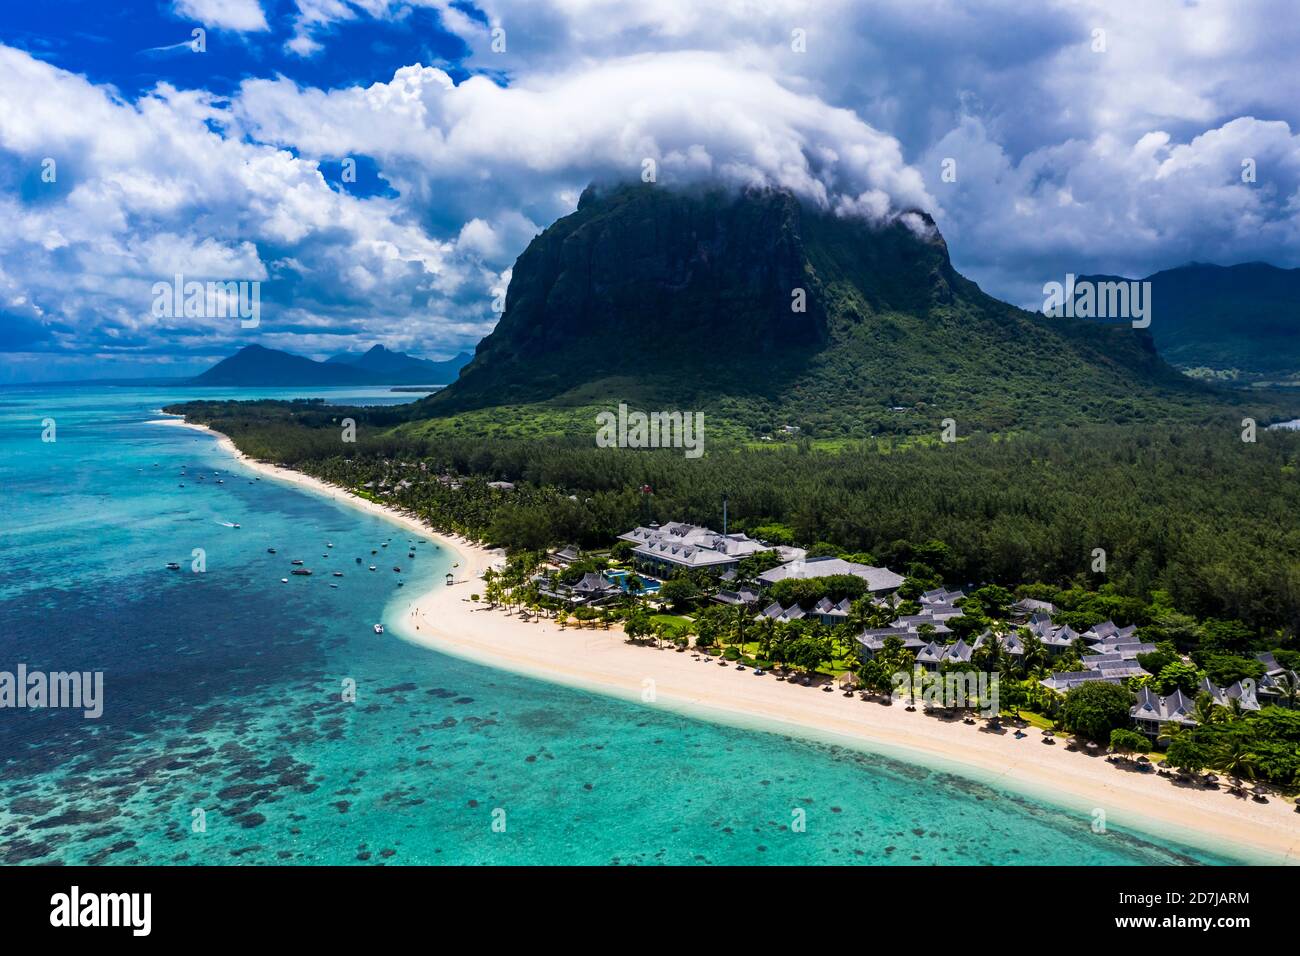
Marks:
<point>1049,733</point>
<point>1211,778</point>
<point>1092,745</point>
<point>1144,759</point>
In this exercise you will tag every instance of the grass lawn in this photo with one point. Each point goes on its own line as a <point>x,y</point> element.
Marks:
<point>674,621</point>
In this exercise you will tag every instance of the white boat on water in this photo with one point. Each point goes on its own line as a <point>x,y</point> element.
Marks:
<point>379,628</point>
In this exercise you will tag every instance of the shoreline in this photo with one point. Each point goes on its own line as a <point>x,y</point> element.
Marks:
<point>602,662</point>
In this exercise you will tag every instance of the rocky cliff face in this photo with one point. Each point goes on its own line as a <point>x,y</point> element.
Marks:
<point>641,281</point>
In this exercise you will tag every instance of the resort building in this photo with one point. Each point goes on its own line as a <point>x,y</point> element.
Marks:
<point>592,588</point>
<point>1128,650</point>
<point>1026,608</point>
<point>566,555</point>
<point>1057,640</point>
<point>933,655</point>
<point>680,546</point>
<point>1011,643</point>
<point>872,640</point>
<point>742,595</point>
<point>831,613</point>
<point>1241,694</point>
<point>1152,712</point>
<point>1279,683</point>
<point>915,622</point>
<point>879,580</point>
<point>942,596</point>
<point>1064,681</point>
<point>1107,631</point>
<point>775,612</point>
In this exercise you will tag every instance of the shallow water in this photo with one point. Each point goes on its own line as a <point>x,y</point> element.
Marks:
<point>225,738</point>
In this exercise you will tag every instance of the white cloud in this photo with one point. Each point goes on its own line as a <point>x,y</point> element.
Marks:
<point>695,115</point>
<point>148,189</point>
<point>241,15</point>
<point>1126,160</point>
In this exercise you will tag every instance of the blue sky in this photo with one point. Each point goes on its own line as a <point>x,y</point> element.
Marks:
<point>1086,136</point>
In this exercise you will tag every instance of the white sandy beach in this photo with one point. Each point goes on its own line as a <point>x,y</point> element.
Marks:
<point>446,620</point>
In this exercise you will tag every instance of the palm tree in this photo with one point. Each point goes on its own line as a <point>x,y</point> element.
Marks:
<point>1288,685</point>
<point>1237,760</point>
<point>1206,711</point>
<point>1170,731</point>
<point>1035,657</point>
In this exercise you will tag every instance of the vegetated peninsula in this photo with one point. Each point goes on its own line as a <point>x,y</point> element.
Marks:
<point>1098,523</point>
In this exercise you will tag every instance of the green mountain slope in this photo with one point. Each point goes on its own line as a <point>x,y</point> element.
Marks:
<point>684,300</point>
<point>1244,318</point>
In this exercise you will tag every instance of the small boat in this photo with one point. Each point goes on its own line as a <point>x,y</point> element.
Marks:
<point>338,574</point>
<point>401,583</point>
<point>296,561</point>
<point>373,551</point>
<point>270,550</point>
<point>358,560</point>
<point>173,566</point>
<point>221,481</point>
<point>410,554</point>
<point>302,571</point>
<point>329,544</point>
<point>284,580</point>
<point>397,569</point>
<point>384,545</point>
<point>334,586</point>
<point>373,568</point>
<point>235,525</point>
<point>379,628</point>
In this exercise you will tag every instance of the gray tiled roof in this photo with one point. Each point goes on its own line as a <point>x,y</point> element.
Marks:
<point>878,579</point>
<point>1068,680</point>
<point>1177,707</point>
<point>1223,696</point>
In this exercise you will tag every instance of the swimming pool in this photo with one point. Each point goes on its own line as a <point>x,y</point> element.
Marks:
<point>648,586</point>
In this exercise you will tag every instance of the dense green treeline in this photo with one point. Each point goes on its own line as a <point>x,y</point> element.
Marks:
<point>1196,513</point>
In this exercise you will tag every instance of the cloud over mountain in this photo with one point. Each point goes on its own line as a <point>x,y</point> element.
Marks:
<point>1124,155</point>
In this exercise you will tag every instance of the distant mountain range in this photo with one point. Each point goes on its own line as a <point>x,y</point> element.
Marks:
<point>257,366</point>
<point>766,312</point>
<point>1242,319</point>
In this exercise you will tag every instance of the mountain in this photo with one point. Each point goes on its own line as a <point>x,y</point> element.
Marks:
<point>255,365</point>
<point>407,367</point>
<point>687,300</point>
<point>1244,318</point>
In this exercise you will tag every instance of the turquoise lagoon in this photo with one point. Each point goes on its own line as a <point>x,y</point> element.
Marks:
<point>225,738</point>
